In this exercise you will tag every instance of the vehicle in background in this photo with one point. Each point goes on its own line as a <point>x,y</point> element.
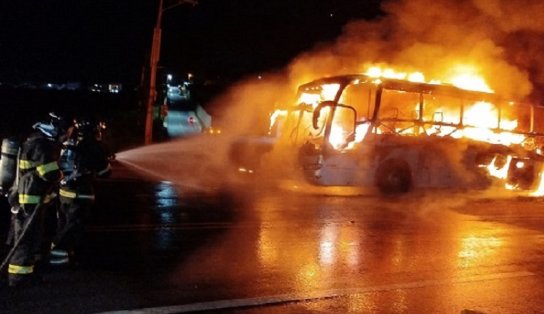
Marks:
<point>181,114</point>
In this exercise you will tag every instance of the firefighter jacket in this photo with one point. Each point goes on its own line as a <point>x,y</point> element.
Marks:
<point>90,161</point>
<point>39,171</point>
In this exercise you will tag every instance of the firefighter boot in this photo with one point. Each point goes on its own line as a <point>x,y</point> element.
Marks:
<point>59,257</point>
<point>24,281</point>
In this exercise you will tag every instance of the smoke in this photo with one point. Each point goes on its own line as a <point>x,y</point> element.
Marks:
<point>246,106</point>
<point>441,39</point>
<point>499,40</point>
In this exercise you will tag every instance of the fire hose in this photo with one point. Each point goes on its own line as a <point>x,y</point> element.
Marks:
<point>21,236</point>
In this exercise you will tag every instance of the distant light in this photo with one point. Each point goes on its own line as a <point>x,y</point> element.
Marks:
<point>260,77</point>
<point>169,77</point>
<point>520,164</point>
<point>114,88</point>
<point>245,170</point>
<point>331,15</point>
<point>49,85</point>
<point>190,76</point>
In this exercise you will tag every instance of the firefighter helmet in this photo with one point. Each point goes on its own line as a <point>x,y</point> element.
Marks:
<point>86,128</point>
<point>54,128</point>
<point>46,129</point>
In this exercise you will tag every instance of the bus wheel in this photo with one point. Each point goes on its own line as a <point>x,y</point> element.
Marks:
<point>394,176</point>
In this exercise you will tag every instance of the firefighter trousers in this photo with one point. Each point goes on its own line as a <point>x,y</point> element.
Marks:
<point>23,260</point>
<point>71,217</point>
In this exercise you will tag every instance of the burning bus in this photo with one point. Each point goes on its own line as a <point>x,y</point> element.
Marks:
<point>396,135</point>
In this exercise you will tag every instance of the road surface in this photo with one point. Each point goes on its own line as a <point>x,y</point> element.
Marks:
<point>158,247</point>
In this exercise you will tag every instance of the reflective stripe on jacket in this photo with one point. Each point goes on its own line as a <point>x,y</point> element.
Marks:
<point>35,199</point>
<point>72,194</point>
<point>20,270</point>
<point>38,169</point>
<point>43,170</point>
<point>91,161</point>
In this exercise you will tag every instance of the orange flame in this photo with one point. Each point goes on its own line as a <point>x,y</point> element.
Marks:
<point>327,92</point>
<point>377,72</point>
<point>471,82</point>
<point>467,77</point>
<point>539,191</point>
<point>482,119</point>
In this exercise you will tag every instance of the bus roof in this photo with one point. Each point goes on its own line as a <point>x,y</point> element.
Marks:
<point>398,85</point>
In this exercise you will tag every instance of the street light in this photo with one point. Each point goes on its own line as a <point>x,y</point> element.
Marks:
<point>153,61</point>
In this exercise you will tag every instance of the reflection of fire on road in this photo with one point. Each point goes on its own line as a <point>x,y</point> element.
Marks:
<point>309,263</point>
<point>474,248</point>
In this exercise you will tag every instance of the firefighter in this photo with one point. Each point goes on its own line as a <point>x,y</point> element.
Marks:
<point>83,159</point>
<point>33,192</point>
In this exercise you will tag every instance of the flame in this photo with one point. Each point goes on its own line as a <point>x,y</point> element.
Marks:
<point>539,191</point>
<point>377,72</point>
<point>338,135</point>
<point>500,172</point>
<point>482,120</point>
<point>482,114</point>
<point>311,99</point>
<point>327,92</point>
<point>417,77</point>
<point>274,118</point>
<point>471,82</point>
<point>467,77</point>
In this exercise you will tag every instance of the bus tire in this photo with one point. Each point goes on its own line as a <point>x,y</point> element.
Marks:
<point>394,176</point>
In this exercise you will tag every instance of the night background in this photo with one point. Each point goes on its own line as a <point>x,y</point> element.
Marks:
<point>104,40</point>
<point>79,44</point>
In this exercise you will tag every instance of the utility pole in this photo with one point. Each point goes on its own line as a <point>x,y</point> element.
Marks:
<point>153,61</point>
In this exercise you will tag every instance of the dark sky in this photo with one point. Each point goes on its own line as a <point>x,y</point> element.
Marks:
<point>109,40</point>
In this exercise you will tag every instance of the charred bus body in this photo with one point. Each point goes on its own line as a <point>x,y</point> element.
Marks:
<point>397,135</point>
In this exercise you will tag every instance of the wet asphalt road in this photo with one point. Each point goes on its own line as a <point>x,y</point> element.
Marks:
<point>153,244</point>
